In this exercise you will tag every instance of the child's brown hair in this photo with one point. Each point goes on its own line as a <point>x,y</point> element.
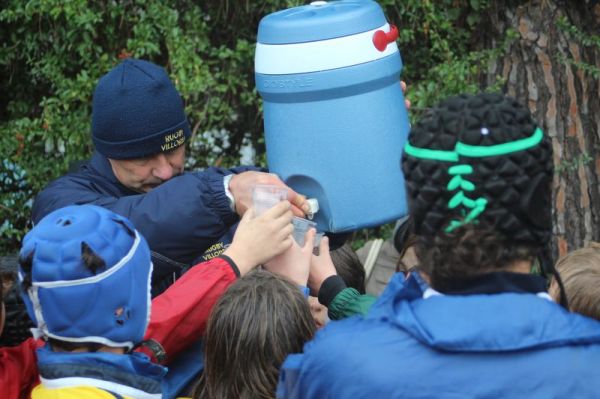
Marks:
<point>255,325</point>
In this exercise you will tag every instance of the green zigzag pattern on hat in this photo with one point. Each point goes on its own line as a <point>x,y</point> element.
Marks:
<point>474,206</point>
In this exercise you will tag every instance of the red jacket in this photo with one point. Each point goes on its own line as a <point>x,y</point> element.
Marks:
<point>18,369</point>
<point>178,318</point>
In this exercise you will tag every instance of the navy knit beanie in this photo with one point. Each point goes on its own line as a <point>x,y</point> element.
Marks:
<point>137,112</point>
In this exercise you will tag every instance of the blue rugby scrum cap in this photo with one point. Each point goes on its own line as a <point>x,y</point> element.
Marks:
<point>85,275</point>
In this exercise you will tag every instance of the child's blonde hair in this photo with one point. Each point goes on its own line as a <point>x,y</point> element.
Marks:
<point>580,273</point>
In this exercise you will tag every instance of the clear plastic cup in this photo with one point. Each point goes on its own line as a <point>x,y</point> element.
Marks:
<point>264,197</point>
<point>301,227</point>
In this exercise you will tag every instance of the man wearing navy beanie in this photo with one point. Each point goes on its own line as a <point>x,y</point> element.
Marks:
<point>139,130</point>
<point>137,112</point>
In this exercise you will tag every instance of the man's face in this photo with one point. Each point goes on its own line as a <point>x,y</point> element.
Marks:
<point>143,174</point>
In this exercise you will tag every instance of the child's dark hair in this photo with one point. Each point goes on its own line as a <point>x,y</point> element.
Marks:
<point>348,267</point>
<point>468,251</point>
<point>91,260</point>
<point>17,323</point>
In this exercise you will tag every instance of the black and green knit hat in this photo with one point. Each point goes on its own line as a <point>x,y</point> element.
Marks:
<point>480,159</point>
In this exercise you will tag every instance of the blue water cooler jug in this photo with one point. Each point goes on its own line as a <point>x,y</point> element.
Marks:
<point>334,114</point>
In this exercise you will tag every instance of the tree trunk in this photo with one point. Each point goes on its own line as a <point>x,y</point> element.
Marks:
<point>557,73</point>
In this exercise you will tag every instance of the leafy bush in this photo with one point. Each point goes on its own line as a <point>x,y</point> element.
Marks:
<point>54,51</point>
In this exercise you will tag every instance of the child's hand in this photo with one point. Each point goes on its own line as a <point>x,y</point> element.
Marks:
<point>258,239</point>
<point>294,264</point>
<point>321,267</point>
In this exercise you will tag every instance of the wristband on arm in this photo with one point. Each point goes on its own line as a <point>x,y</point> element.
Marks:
<point>305,290</point>
<point>156,350</point>
<point>332,286</point>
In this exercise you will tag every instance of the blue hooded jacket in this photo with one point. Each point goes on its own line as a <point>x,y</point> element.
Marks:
<point>505,345</point>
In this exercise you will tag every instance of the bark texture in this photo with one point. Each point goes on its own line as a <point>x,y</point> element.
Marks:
<point>542,68</point>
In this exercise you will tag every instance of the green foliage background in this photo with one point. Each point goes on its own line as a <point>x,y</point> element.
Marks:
<point>53,52</point>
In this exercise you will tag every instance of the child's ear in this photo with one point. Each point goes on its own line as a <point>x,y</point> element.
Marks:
<point>554,290</point>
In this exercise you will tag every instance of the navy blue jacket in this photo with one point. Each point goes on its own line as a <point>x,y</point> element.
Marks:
<point>410,345</point>
<point>180,219</point>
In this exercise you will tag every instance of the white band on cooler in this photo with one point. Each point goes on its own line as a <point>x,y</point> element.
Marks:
<point>323,55</point>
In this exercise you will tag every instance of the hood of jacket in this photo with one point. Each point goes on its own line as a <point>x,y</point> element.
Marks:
<point>498,322</point>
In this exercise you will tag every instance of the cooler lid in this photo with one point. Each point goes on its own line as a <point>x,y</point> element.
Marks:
<point>320,20</point>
